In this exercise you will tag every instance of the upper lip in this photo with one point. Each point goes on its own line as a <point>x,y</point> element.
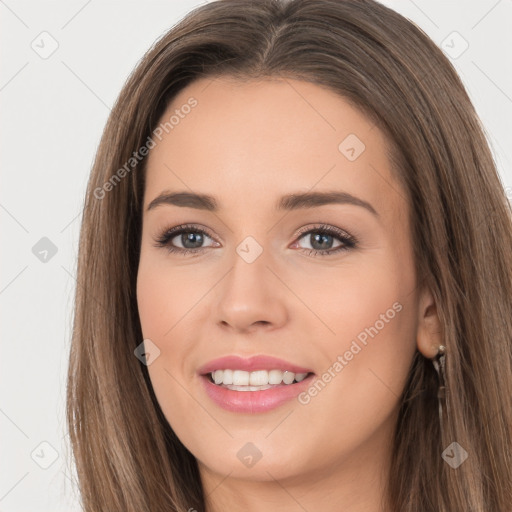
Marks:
<point>249,364</point>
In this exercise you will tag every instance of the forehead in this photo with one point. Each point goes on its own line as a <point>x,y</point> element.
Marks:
<point>263,139</point>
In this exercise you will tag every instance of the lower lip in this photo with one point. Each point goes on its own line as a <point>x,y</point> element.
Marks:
<point>254,401</point>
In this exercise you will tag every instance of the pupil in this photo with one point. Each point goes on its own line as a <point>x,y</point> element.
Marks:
<point>195,238</point>
<point>322,239</point>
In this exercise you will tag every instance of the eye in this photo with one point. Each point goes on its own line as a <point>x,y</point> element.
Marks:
<point>321,240</point>
<point>183,239</point>
<point>189,239</point>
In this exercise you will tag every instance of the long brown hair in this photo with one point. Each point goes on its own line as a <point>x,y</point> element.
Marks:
<point>127,456</point>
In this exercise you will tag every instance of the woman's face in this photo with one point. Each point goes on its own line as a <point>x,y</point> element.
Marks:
<point>325,283</point>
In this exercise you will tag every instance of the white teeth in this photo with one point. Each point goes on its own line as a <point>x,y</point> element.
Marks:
<point>288,377</point>
<point>248,388</point>
<point>275,377</point>
<point>253,381</point>
<point>259,378</point>
<point>228,377</point>
<point>218,377</point>
<point>240,378</point>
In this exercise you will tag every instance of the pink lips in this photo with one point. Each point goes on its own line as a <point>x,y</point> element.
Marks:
<point>251,364</point>
<point>252,401</point>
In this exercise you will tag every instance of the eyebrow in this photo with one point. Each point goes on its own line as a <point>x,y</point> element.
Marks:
<point>288,202</point>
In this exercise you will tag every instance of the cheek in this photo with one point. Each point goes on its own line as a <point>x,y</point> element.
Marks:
<point>372,314</point>
<point>155,300</point>
<point>165,295</point>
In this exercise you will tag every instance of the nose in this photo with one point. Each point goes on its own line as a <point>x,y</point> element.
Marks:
<point>251,297</point>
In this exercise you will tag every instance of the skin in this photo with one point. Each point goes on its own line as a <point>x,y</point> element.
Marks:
<point>247,144</point>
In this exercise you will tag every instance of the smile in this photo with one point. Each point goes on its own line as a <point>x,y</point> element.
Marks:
<point>254,399</point>
<point>240,380</point>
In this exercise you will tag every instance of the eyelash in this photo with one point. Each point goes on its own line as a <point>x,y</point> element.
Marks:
<point>348,241</point>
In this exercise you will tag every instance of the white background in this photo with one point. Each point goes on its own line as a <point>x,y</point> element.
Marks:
<point>53,113</point>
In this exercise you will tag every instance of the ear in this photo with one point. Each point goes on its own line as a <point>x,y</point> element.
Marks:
<point>429,335</point>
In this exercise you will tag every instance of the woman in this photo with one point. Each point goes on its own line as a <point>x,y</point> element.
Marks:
<point>295,276</point>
